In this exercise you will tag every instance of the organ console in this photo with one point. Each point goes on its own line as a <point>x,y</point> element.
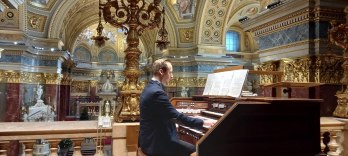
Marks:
<point>250,126</point>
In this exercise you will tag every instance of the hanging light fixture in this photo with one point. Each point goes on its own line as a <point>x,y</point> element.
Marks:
<point>163,35</point>
<point>99,39</point>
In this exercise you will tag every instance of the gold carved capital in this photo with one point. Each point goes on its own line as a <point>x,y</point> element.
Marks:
<point>66,79</point>
<point>93,83</point>
<point>52,78</point>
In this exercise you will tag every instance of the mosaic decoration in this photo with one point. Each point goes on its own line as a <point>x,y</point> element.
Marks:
<point>213,21</point>
<point>186,35</point>
<point>283,37</point>
<point>36,22</point>
<point>107,56</point>
<point>82,54</point>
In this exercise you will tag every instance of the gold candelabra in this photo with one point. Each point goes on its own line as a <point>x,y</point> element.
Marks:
<point>338,35</point>
<point>133,16</point>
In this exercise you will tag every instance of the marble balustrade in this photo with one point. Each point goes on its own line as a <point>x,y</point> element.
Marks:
<point>332,130</point>
<point>27,133</point>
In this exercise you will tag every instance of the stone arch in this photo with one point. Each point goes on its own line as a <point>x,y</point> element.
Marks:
<point>108,55</point>
<point>82,53</point>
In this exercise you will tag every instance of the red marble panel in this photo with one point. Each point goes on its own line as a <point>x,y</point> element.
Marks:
<point>51,95</point>
<point>93,93</point>
<point>267,92</point>
<point>299,92</point>
<point>13,105</point>
<point>63,105</point>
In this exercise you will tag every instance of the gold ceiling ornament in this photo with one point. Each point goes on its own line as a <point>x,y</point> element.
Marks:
<point>100,39</point>
<point>133,16</point>
<point>338,35</point>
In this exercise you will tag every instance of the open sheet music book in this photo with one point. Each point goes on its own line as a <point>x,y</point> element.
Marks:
<point>229,83</point>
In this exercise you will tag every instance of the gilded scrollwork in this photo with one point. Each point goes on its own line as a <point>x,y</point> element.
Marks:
<point>268,66</point>
<point>79,86</point>
<point>66,79</point>
<point>187,82</point>
<point>29,77</point>
<point>319,69</point>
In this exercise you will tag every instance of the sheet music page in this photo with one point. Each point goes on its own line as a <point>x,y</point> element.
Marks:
<point>225,78</point>
<point>217,84</point>
<point>209,84</point>
<point>237,82</point>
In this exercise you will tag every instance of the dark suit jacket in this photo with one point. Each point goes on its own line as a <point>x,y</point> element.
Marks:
<point>158,133</point>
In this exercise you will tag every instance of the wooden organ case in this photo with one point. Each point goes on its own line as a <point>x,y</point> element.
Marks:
<point>254,126</point>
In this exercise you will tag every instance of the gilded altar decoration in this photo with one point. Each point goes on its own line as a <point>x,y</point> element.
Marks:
<point>133,16</point>
<point>338,35</point>
<point>79,86</point>
<point>187,82</point>
<point>269,66</point>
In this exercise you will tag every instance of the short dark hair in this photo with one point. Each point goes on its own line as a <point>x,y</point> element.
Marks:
<point>160,64</point>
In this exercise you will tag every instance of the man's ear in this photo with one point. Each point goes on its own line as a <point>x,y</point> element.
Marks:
<point>161,72</point>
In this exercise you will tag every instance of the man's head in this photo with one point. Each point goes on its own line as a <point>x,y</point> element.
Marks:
<point>162,70</point>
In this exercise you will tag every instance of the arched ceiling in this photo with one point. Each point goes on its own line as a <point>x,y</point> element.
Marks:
<point>68,18</point>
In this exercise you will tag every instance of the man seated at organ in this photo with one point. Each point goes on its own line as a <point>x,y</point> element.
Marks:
<point>158,135</point>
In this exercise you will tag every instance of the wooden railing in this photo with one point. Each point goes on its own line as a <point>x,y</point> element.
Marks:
<point>332,132</point>
<point>27,132</point>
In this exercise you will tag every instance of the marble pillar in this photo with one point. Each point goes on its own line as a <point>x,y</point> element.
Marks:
<point>63,106</point>
<point>93,91</point>
<point>51,96</point>
<point>13,111</point>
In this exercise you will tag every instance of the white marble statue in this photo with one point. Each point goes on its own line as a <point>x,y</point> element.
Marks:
<point>107,108</point>
<point>184,91</point>
<point>39,92</point>
<point>107,86</point>
<point>40,111</point>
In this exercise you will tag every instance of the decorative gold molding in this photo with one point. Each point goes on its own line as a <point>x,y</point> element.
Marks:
<point>282,23</point>
<point>187,82</point>
<point>79,86</point>
<point>319,69</point>
<point>29,77</point>
<point>52,78</point>
<point>328,14</point>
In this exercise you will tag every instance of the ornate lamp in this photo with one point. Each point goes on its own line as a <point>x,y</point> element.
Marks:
<point>133,16</point>
<point>163,42</point>
<point>338,35</point>
<point>99,39</point>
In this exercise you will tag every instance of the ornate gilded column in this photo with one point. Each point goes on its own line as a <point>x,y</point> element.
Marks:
<point>338,35</point>
<point>93,90</point>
